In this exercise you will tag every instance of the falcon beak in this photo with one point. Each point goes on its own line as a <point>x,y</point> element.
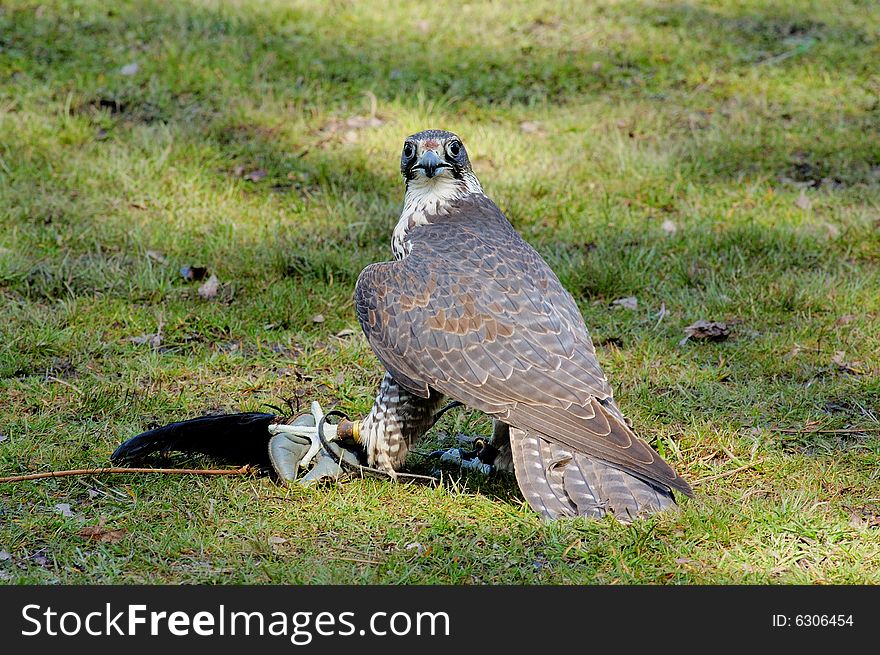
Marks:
<point>430,163</point>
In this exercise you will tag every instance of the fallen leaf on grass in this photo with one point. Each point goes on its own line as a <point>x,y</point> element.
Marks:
<point>209,289</point>
<point>416,546</point>
<point>318,318</point>
<point>64,509</point>
<point>839,360</point>
<point>101,534</point>
<point>865,517</point>
<point>342,334</point>
<point>39,559</point>
<point>630,302</point>
<point>704,330</point>
<point>156,256</point>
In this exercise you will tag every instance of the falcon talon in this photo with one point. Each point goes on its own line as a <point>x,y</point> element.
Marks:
<point>451,456</point>
<point>477,466</point>
<point>466,460</point>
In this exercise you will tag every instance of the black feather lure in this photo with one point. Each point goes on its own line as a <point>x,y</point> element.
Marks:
<point>233,438</point>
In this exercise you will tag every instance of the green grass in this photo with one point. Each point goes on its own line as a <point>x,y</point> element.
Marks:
<point>751,126</point>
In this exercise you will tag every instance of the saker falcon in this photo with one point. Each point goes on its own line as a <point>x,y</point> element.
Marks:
<point>469,311</point>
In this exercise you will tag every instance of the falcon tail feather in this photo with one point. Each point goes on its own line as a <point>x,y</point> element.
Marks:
<point>557,483</point>
<point>234,438</point>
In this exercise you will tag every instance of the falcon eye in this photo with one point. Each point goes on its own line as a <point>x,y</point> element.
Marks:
<point>409,150</point>
<point>454,148</point>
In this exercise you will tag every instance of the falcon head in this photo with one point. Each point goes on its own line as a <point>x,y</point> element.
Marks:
<point>436,160</point>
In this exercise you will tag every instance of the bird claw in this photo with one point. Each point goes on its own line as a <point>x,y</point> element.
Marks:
<point>464,459</point>
<point>296,445</point>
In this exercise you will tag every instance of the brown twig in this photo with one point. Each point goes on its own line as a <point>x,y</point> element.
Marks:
<point>366,470</point>
<point>60,474</point>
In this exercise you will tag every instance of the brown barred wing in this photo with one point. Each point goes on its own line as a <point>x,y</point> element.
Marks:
<point>475,313</point>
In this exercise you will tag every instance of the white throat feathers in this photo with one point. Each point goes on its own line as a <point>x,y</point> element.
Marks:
<point>426,197</point>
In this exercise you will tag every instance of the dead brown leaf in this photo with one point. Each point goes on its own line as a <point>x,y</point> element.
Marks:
<point>865,517</point>
<point>704,330</point>
<point>101,534</point>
